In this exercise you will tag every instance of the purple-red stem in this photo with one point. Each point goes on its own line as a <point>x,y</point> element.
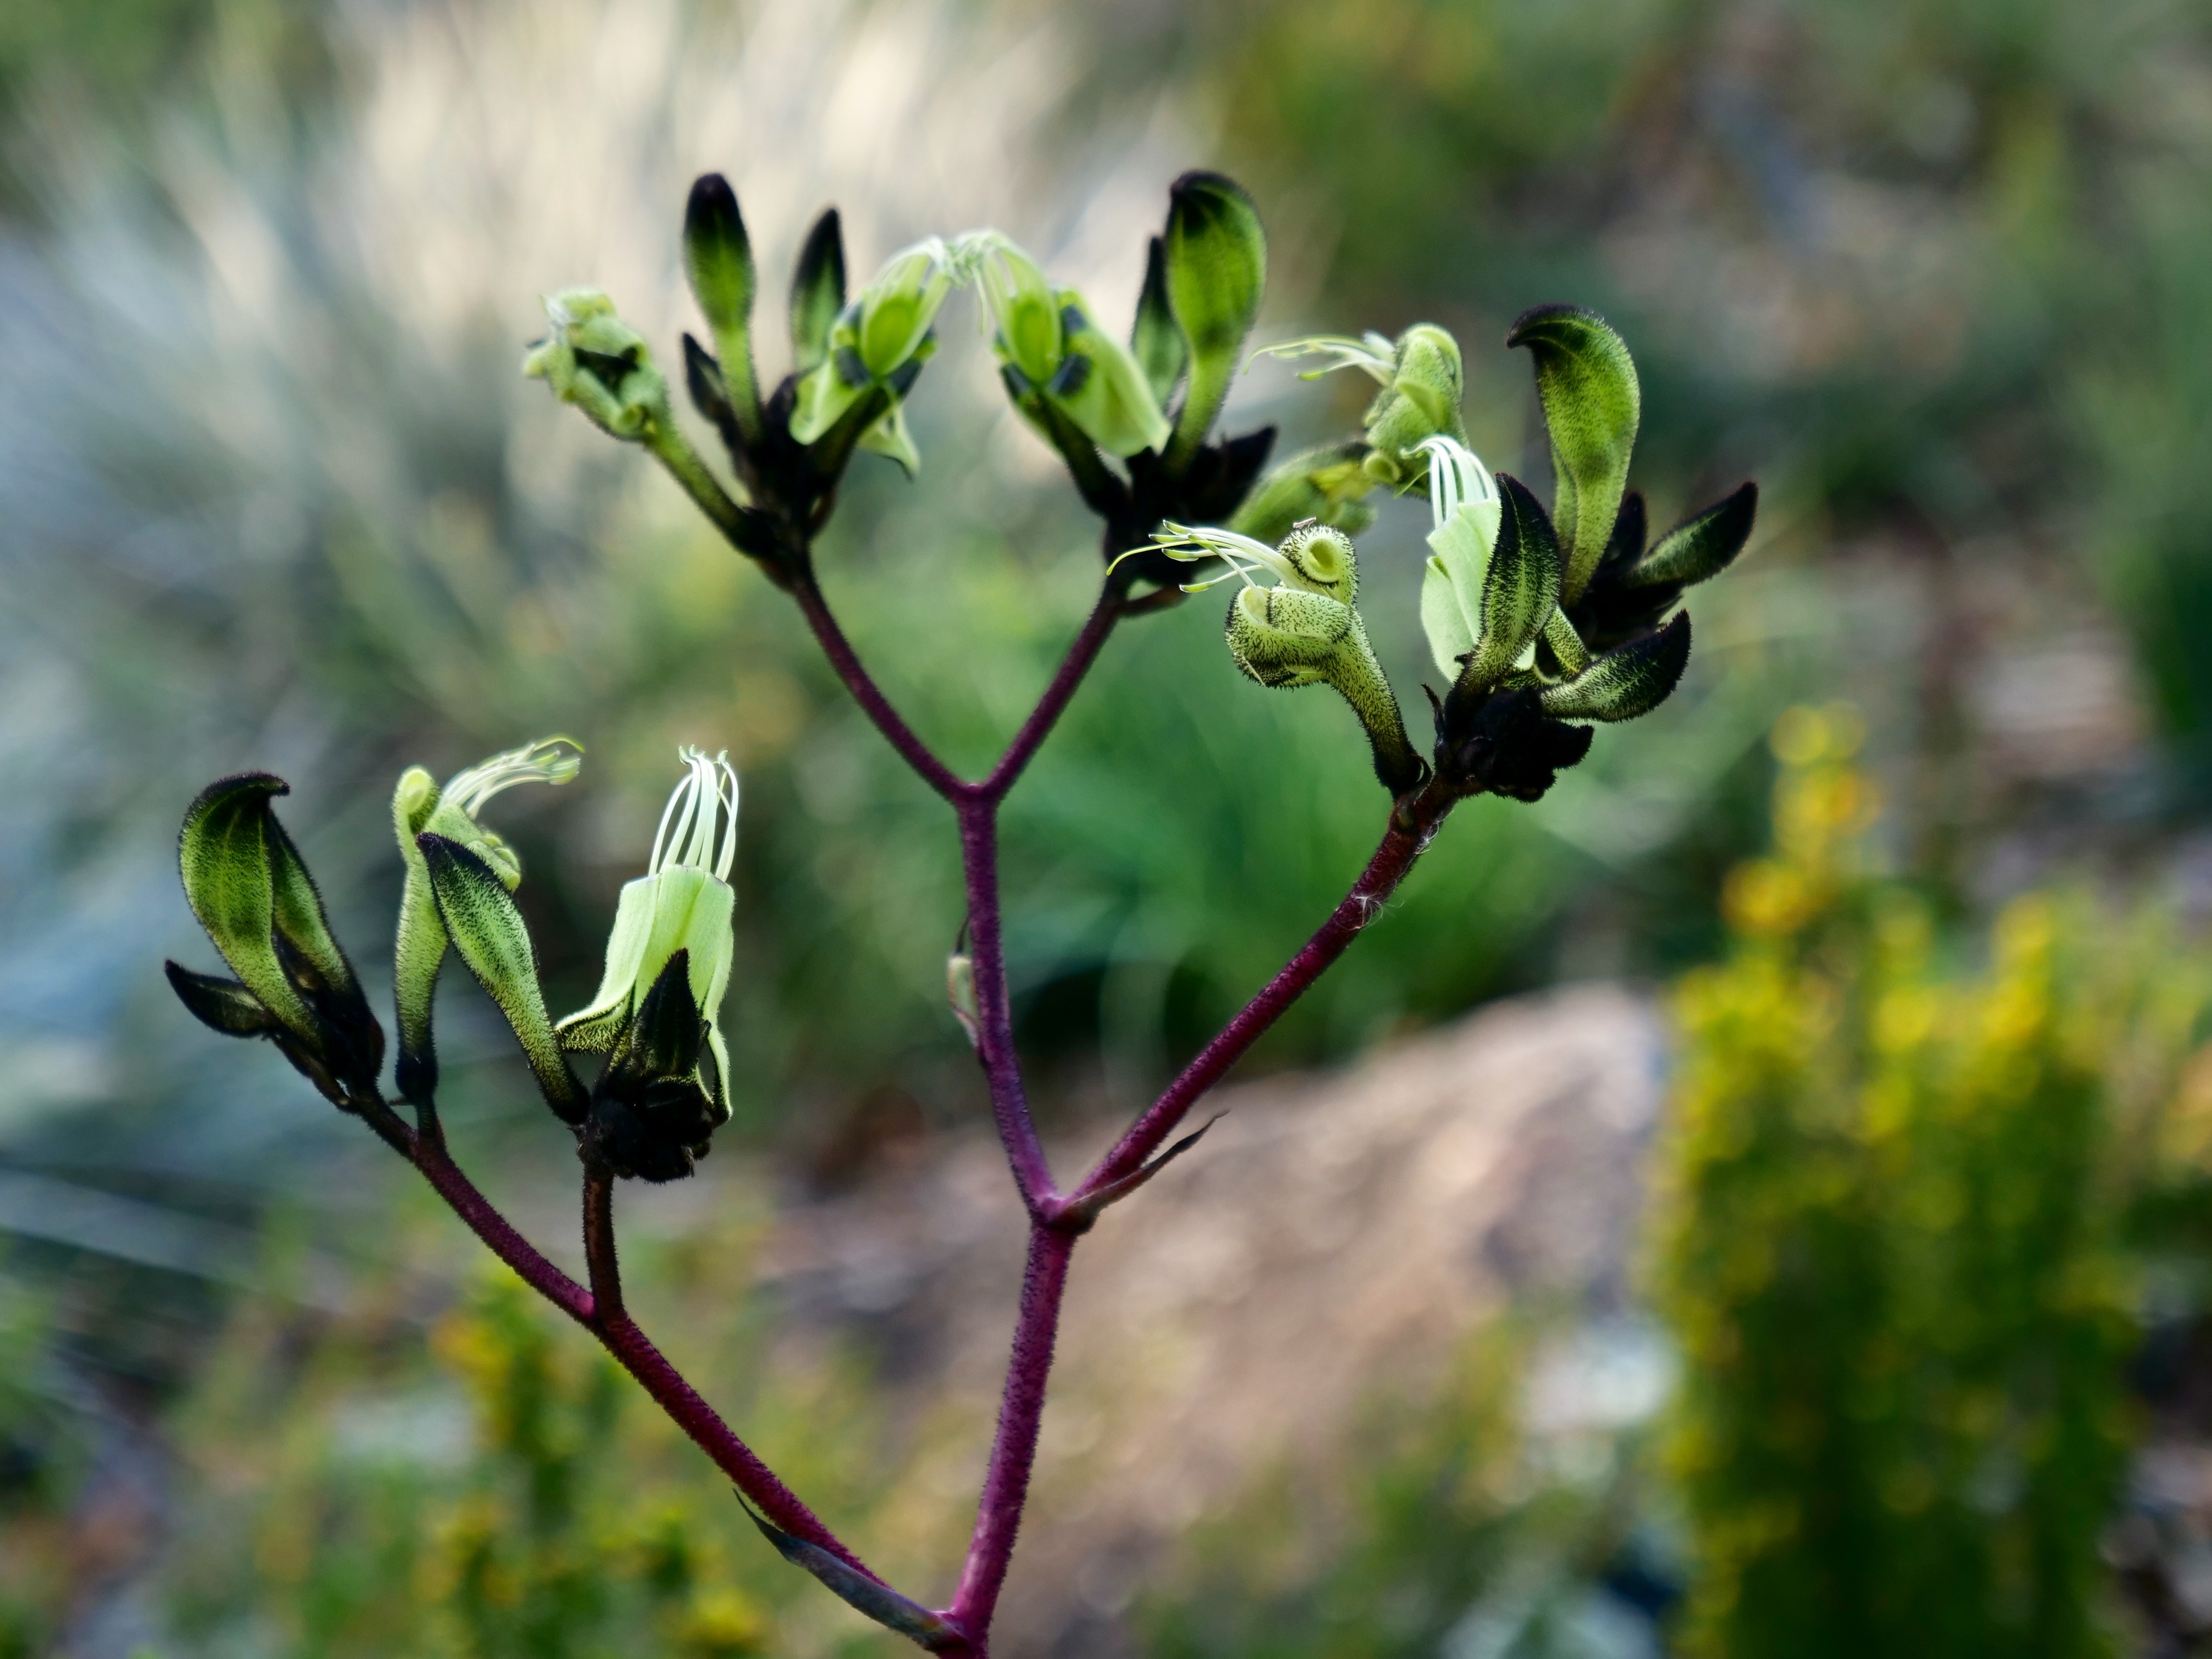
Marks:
<point>1013,1449</point>
<point>839,650</point>
<point>1360,906</point>
<point>994,1036</point>
<point>616,1331</point>
<point>1056,1220</point>
<point>1077,664</point>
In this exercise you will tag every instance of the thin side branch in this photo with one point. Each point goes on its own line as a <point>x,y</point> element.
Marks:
<point>617,1332</point>
<point>599,1244</point>
<point>1400,847</point>
<point>994,1039</point>
<point>866,692</point>
<point>1057,695</point>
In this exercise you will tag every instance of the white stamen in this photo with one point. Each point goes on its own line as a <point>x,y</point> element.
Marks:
<point>546,761</point>
<point>1374,355</point>
<point>699,826</point>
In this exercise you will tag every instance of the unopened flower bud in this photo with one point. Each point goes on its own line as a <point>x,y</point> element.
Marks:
<point>817,292</point>
<point>1592,402</point>
<point>877,345</point>
<point>418,805</point>
<point>1216,260</point>
<point>718,260</point>
<point>1049,347</point>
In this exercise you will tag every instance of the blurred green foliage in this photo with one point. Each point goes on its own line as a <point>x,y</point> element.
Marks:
<point>1895,1243</point>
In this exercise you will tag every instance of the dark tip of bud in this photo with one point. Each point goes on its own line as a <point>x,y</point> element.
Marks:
<point>817,290</point>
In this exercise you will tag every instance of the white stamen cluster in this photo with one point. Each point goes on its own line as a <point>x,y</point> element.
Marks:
<point>1242,554</point>
<point>1457,477</point>
<point>1375,355</point>
<point>699,826</point>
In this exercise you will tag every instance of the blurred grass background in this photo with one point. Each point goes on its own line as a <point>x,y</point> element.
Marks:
<point>271,494</point>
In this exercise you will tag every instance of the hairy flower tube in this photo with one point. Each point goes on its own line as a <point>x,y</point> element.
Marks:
<point>419,805</point>
<point>1303,630</point>
<point>667,967</point>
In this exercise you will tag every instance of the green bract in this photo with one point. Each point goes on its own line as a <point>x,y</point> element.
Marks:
<point>1215,256</point>
<point>479,916</point>
<point>419,805</point>
<point>1048,347</point>
<point>684,902</point>
<point>879,342</point>
<point>718,260</point>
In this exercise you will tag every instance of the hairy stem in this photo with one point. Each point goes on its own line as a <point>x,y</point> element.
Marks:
<point>1400,846</point>
<point>994,1040</point>
<point>1057,695</point>
<point>599,1243</point>
<point>1013,1451</point>
<point>866,692</point>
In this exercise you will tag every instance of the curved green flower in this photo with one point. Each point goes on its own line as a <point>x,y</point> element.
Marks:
<point>683,904</point>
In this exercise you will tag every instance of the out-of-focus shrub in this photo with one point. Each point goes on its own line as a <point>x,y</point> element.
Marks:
<point>1894,1246</point>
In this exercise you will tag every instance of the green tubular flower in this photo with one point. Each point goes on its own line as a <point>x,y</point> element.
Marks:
<point>879,341</point>
<point>419,805</point>
<point>597,362</point>
<point>1048,347</point>
<point>1303,631</point>
<point>681,907</point>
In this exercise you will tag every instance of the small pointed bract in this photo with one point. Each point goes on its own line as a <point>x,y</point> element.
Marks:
<point>1701,548</point>
<point>1592,402</point>
<point>865,1595</point>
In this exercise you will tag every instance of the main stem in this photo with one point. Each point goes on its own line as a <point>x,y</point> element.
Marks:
<point>1057,1219</point>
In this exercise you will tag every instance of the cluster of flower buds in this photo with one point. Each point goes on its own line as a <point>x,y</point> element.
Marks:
<point>1540,621</point>
<point>663,1087</point>
<point>1132,421</point>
